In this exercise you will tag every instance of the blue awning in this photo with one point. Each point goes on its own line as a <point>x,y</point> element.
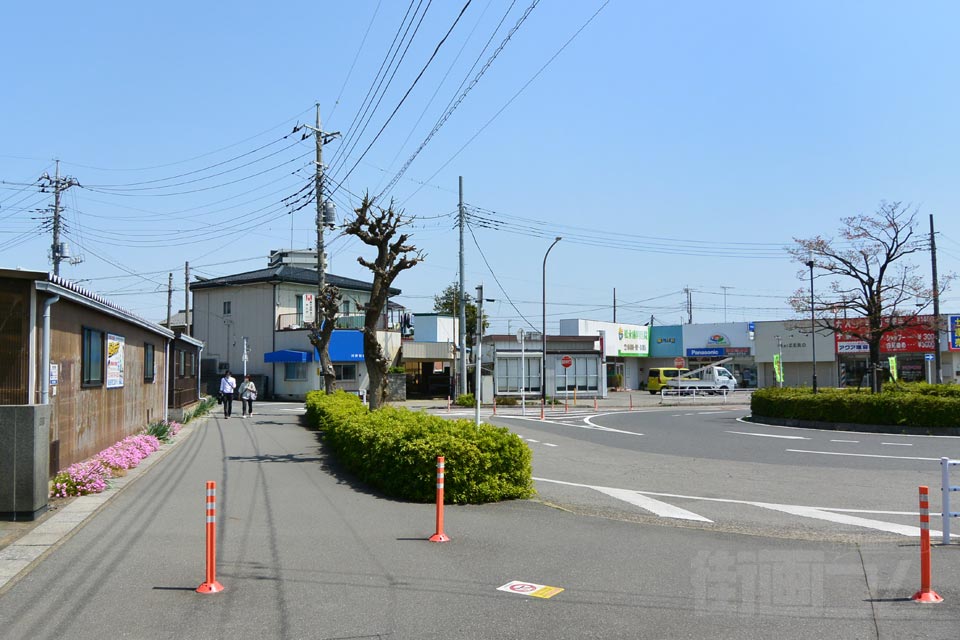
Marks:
<point>345,346</point>
<point>288,355</point>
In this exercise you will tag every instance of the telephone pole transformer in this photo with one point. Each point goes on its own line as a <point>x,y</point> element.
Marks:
<point>59,185</point>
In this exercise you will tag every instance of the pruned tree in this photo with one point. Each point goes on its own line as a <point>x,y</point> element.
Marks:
<point>870,277</point>
<point>448,302</point>
<point>329,306</point>
<point>379,228</point>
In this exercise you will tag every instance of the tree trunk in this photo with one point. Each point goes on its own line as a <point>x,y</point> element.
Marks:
<point>329,377</point>
<point>875,368</point>
<point>376,368</point>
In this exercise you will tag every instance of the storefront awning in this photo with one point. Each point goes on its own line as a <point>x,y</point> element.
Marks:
<point>288,355</point>
<point>345,346</point>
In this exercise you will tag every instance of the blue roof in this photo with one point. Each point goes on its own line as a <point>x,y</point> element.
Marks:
<point>288,355</point>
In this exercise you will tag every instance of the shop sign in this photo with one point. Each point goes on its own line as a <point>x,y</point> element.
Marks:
<point>954,344</point>
<point>913,339</point>
<point>707,353</point>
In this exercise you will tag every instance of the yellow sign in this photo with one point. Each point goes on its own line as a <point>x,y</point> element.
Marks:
<point>531,589</point>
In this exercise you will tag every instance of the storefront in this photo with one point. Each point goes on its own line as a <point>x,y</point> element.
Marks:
<point>909,349</point>
<point>624,346</point>
<point>707,343</point>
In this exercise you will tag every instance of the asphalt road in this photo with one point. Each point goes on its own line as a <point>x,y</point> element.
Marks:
<point>306,552</point>
<point>708,467</point>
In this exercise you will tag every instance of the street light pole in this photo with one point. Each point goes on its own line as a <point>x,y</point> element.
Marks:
<point>543,366</point>
<point>813,327</point>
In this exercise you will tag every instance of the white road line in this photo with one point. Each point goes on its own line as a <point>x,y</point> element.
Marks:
<point>655,507</point>
<point>547,444</point>
<point>588,425</point>
<point>897,444</point>
<point>532,440</point>
<point>853,441</point>
<point>862,455</point>
<point>817,513</point>
<point>768,435</point>
<point>710,413</point>
<point>902,435</point>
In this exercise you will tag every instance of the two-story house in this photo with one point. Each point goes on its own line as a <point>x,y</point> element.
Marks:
<point>256,322</point>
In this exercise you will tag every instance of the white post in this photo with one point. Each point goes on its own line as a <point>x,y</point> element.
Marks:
<point>245,357</point>
<point>523,373</point>
<point>945,499</point>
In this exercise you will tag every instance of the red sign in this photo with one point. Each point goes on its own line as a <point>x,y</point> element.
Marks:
<point>566,361</point>
<point>919,338</point>
<point>679,363</point>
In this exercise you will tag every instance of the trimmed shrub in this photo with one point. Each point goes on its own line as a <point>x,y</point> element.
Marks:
<point>920,405</point>
<point>395,450</point>
<point>466,400</point>
<point>506,401</point>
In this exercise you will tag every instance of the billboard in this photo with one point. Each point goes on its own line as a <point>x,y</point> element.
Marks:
<point>954,344</point>
<point>114,361</point>
<point>919,338</point>
<point>622,340</point>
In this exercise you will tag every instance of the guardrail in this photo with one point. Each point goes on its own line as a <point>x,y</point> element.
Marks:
<point>692,392</point>
<point>946,488</point>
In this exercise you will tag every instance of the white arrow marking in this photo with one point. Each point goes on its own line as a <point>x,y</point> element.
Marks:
<point>862,455</point>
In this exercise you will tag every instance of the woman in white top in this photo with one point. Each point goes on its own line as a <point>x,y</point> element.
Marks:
<point>248,393</point>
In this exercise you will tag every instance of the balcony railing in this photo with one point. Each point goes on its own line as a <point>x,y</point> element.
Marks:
<point>295,321</point>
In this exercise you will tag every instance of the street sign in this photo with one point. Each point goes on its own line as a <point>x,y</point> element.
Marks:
<point>929,356</point>
<point>566,361</point>
<point>679,363</point>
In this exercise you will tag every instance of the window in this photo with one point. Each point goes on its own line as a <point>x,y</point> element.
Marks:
<point>193,365</point>
<point>582,375</point>
<point>92,358</point>
<point>226,307</point>
<point>149,370</point>
<point>294,370</point>
<point>181,363</point>
<point>508,374</point>
<point>345,306</point>
<point>299,309</point>
<point>345,371</point>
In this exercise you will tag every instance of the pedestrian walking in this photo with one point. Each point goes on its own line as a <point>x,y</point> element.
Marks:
<point>228,384</point>
<point>248,393</point>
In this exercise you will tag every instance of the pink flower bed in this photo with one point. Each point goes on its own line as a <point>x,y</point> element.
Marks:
<point>90,476</point>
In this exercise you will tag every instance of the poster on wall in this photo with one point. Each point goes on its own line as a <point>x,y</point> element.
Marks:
<point>114,361</point>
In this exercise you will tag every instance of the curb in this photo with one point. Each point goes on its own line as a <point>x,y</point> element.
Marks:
<point>19,557</point>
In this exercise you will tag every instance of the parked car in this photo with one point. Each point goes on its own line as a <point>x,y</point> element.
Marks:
<point>657,378</point>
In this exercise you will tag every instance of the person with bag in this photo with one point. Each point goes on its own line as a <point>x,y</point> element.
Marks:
<point>228,384</point>
<point>248,393</point>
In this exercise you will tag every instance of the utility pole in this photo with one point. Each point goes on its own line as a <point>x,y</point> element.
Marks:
<point>614,305</point>
<point>186,298</point>
<point>463,304</point>
<point>59,185</point>
<point>477,352</point>
<point>938,378</point>
<point>725,301</point>
<point>687,291</point>
<point>326,215</point>
<point>169,298</point>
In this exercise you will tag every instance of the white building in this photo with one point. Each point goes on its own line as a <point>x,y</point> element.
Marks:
<point>265,312</point>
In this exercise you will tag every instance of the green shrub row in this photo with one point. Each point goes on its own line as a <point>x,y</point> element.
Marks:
<point>395,450</point>
<point>921,405</point>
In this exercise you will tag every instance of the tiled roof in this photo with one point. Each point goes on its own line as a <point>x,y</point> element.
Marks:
<point>285,273</point>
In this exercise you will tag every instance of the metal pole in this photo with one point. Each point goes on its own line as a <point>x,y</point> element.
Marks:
<point>945,498</point>
<point>813,327</point>
<point>478,352</point>
<point>938,378</point>
<point>186,298</point>
<point>543,366</point>
<point>523,374</point>
<point>170,298</point>
<point>56,221</point>
<point>463,303</point>
<point>318,186</point>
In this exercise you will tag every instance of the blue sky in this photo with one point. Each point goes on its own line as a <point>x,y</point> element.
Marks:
<point>672,145</point>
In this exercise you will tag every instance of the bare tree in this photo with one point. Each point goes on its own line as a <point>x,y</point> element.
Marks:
<point>870,277</point>
<point>378,228</point>
<point>329,302</point>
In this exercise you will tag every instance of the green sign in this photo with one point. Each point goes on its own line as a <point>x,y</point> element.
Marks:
<point>777,368</point>
<point>893,367</point>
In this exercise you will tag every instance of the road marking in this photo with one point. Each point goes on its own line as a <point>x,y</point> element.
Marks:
<point>818,513</point>
<point>547,444</point>
<point>530,589</point>
<point>646,503</point>
<point>859,433</point>
<point>897,444</point>
<point>768,435</point>
<point>588,425</point>
<point>862,455</point>
<point>532,440</point>
<point>710,413</point>
<point>853,441</point>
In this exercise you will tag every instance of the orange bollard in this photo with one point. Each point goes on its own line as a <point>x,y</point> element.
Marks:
<point>594,403</point>
<point>541,409</point>
<point>448,404</point>
<point>631,402</point>
<point>211,585</point>
<point>439,536</point>
<point>566,399</point>
<point>926,594</point>
<point>494,406</point>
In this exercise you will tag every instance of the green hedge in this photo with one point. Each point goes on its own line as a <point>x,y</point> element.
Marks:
<point>395,450</point>
<point>920,405</point>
